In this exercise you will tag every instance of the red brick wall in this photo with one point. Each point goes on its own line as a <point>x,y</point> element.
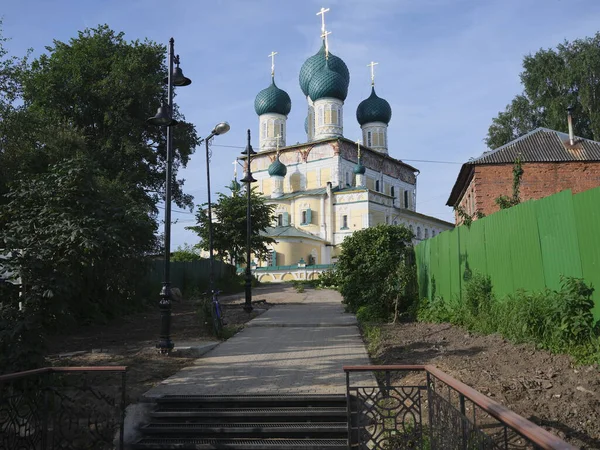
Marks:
<point>539,180</point>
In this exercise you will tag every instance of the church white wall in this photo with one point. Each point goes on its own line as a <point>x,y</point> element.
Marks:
<point>270,126</point>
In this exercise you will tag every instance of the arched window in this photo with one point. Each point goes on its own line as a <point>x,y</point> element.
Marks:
<point>410,227</point>
<point>418,232</point>
<point>432,233</point>
<point>426,233</point>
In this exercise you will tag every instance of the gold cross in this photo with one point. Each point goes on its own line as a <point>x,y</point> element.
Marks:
<point>322,14</point>
<point>358,146</point>
<point>372,66</point>
<point>324,36</point>
<point>272,56</point>
<point>235,164</point>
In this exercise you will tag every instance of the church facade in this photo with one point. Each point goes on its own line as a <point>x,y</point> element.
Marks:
<point>327,188</point>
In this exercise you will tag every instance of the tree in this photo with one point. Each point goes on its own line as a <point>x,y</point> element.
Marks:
<point>368,270</point>
<point>186,253</point>
<point>553,80</point>
<point>105,88</point>
<point>230,226</point>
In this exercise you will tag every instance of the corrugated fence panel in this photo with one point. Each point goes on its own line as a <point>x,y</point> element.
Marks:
<point>472,249</point>
<point>558,238</point>
<point>526,255</point>
<point>454,268</point>
<point>587,218</point>
<point>443,282</point>
<point>497,248</point>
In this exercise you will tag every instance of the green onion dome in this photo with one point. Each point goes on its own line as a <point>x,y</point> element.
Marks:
<point>359,169</point>
<point>277,168</point>
<point>373,109</point>
<point>327,83</point>
<point>272,100</point>
<point>316,62</point>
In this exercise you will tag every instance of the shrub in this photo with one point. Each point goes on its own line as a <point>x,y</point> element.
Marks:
<point>560,321</point>
<point>367,269</point>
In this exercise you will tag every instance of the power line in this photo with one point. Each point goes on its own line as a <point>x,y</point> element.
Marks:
<point>176,210</point>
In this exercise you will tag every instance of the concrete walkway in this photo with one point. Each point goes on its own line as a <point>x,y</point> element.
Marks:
<point>296,348</point>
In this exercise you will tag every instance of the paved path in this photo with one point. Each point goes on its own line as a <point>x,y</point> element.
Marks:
<point>290,349</point>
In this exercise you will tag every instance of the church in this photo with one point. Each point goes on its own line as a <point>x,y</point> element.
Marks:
<point>327,188</point>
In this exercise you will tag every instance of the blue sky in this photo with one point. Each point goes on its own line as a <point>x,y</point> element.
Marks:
<point>447,67</point>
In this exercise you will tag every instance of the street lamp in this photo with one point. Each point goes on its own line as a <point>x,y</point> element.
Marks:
<point>221,128</point>
<point>164,117</point>
<point>248,179</point>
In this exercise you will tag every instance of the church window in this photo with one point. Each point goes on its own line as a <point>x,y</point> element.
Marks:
<point>376,139</point>
<point>410,227</point>
<point>264,130</point>
<point>271,129</point>
<point>347,178</point>
<point>377,185</point>
<point>328,115</point>
<point>392,192</point>
<point>320,115</point>
<point>306,217</point>
<point>418,232</point>
<point>368,138</point>
<point>432,233</point>
<point>406,199</point>
<point>426,233</point>
<point>334,116</point>
<point>395,222</point>
<point>344,222</point>
<point>281,130</point>
<point>279,220</point>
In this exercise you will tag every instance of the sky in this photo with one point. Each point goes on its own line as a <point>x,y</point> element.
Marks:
<point>447,67</point>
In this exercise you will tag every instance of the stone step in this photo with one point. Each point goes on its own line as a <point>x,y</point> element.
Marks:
<point>250,401</point>
<point>240,444</point>
<point>248,430</point>
<point>307,414</point>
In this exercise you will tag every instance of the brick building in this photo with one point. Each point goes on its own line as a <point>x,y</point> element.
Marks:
<point>552,162</point>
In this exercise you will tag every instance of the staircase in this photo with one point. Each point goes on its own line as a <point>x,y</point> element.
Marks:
<point>247,422</point>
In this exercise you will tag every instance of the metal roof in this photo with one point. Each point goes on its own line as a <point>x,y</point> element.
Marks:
<point>539,145</point>
<point>542,145</point>
<point>289,231</point>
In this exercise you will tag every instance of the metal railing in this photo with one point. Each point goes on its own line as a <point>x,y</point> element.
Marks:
<point>63,408</point>
<point>423,407</point>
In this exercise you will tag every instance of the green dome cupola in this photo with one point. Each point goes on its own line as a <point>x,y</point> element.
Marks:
<point>359,169</point>
<point>316,62</point>
<point>273,100</point>
<point>277,168</point>
<point>327,83</point>
<point>373,109</point>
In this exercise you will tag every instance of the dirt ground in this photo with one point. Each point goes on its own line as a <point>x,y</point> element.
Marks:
<point>130,341</point>
<point>549,390</point>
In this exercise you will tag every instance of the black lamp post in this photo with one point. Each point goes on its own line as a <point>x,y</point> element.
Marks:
<point>248,179</point>
<point>164,117</point>
<point>221,128</point>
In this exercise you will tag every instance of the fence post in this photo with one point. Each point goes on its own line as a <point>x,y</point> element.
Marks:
<point>463,420</point>
<point>432,443</point>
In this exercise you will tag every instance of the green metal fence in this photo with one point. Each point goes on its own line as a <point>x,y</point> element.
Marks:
<point>528,246</point>
<point>189,275</point>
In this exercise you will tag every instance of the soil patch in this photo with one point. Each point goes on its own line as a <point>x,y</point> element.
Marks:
<point>550,390</point>
<point>130,341</point>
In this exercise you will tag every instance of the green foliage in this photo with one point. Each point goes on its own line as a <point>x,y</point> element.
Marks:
<point>77,241</point>
<point>372,336</point>
<point>187,253</point>
<point>505,202</point>
<point>552,80</point>
<point>466,218</point>
<point>327,279</point>
<point>560,321</point>
<point>105,88</point>
<point>230,226</point>
<point>367,269</point>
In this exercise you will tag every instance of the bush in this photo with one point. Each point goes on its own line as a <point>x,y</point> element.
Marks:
<point>559,321</point>
<point>369,271</point>
<point>327,280</point>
